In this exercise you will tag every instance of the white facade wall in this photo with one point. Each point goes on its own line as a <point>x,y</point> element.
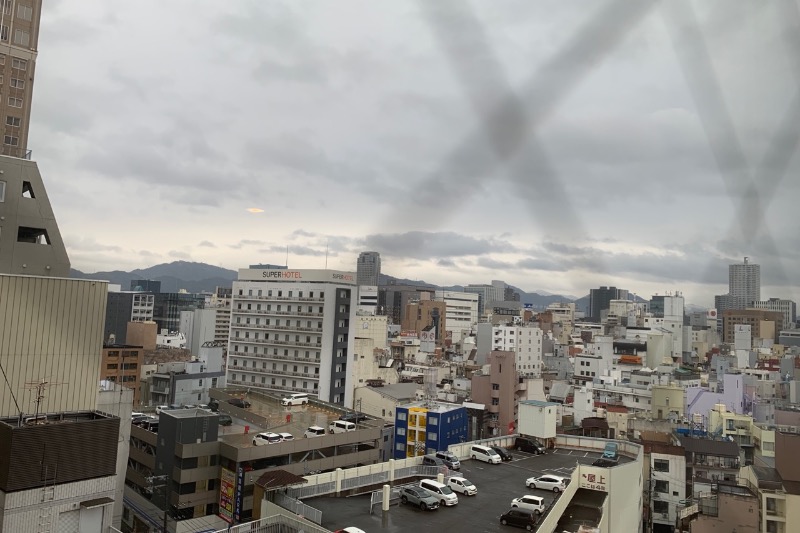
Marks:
<point>58,509</point>
<point>368,299</point>
<point>461,311</point>
<point>674,480</point>
<point>114,399</point>
<point>538,419</point>
<point>587,367</point>
<point>525,342</point>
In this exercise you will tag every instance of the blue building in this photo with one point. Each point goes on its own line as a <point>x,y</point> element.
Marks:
<point>428,427</point>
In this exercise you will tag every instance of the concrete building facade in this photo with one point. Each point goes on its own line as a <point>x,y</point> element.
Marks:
<point>19,44</point>
<point>122,363</point>
<point>291,332</point>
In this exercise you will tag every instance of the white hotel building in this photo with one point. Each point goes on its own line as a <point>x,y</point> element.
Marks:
<point>290,332</point>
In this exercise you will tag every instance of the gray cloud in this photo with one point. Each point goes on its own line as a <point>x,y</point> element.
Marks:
<point>206,244</point>
<point>360,125</point>
<point>426,245</point>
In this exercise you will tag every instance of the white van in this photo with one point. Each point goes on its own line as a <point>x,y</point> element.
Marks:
<point>341,426</point>
<point>299,398</point>
<point>440,491</point>
<point>485,454</point>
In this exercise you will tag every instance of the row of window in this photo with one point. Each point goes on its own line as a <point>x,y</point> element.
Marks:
<point>16,83</point>
<point>275,351</point>
<point>274,381</point>
<point>277,337</point>
<point>267,321</point>
<point>24,12</point>
<point>279,308</point>
<point>16,63</point>
<point>259,292</point>
<point>21,37</point>
<point>275,366</point>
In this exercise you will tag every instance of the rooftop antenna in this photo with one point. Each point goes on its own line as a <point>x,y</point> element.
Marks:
<point>326,255</point>
<point>287,256</point>
<point>40,387</point>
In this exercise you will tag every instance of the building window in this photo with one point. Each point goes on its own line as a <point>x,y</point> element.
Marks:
<point>495,386</point>
<point>14,102</point>
<point>2,191</point>
<point>401,416</point>
<point>401,432</point>
<point>22,38</point>
<point>661,486</point>
<point>4,33</point>
<point>661,507</point>
<point>24,12</point>
<point>660,465</point>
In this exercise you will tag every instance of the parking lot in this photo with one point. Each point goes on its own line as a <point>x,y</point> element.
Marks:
<point>497,486</point>
<point>293,419</point>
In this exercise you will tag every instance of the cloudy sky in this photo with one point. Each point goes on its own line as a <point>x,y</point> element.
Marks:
<point>555,145</point>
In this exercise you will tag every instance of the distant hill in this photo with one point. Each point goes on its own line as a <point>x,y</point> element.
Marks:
<point>202,277</point>
<point>192,277</point>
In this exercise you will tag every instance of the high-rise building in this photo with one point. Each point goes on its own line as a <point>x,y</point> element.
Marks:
<point>290,332</point>
<point>368,270</point>
<point>744,283</point>
<point>600,300</point>
<point>19,37</point>
<point>787,307</point>
<point>123,307</point>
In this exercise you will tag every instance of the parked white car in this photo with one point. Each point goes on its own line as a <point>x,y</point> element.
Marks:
<point>314,431</point>
<point>300,398</point>
<point>547,482</point>
<point>463,485</point>
<point>161,408</point>
<point>529,502</point>
<point>286,437</point>
<point>262,439</point>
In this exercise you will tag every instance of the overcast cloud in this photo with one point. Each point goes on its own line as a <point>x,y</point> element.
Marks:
<point>552,144</point>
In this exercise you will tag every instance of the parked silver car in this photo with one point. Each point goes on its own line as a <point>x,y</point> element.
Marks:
<point>419,497</point>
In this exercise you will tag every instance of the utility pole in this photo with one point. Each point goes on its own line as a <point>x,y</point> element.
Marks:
<point>163,479</point>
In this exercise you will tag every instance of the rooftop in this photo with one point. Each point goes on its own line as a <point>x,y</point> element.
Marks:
<point>398,391</point>
<point>710,447</point>
<point>539,403</point>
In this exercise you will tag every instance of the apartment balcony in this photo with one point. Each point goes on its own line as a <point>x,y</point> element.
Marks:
<point>496,394</point>
<point>493,408</point>
<point>276,342</point>
<point>298,359</point>
<point>277,313</point>
<point>279,298</point>
<point>281,328</point>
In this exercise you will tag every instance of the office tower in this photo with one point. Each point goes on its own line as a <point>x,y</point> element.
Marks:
<point>123,307</point>
<point>744,283</point>
<point>368,270</point>
<point>19,37</point>
<point>290,332</point>
<point>600,300</point>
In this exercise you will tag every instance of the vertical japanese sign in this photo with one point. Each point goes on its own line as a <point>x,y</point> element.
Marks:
<point>237,513</point>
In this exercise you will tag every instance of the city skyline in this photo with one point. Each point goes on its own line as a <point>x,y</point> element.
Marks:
<point>642,205</point>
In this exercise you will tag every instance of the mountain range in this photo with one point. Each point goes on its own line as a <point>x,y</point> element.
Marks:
<point>202,277</point>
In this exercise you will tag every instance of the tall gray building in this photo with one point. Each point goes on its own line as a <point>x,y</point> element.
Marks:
<point>368,269</point>
<point>744,283</point>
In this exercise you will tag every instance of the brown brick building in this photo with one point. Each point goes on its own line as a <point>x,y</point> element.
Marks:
<point>757,319</point>
<point>122,363</point>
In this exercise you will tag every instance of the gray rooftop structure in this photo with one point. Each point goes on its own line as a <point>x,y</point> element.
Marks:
<point>31,243</point>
